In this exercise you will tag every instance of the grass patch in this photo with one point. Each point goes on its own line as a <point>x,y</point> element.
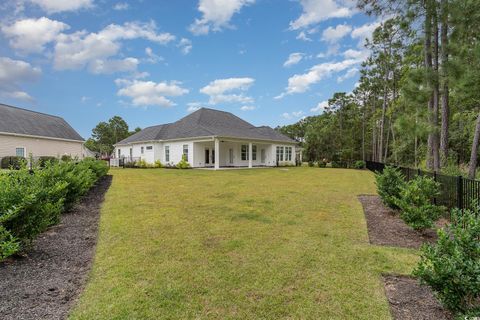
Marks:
<point>254,244</point>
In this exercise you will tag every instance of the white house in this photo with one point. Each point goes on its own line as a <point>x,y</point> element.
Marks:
<point>209,138</point>
<point>24,133</point>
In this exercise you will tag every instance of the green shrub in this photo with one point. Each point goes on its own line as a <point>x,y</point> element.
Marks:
<point>339,164</point>
<point>389,185</point>
<point>359,164</point>
<point>158,164</point>
<point>9,245</point>
<point>66,158</point>
<point>31,202</point>
<point>183,164</point>
<point>321,164</point>
<point>13,162</point>
<point>42,161</point>
<point>415,203</point>
<point>142,163</point>
<point>451,267</point>
<point>311,163</point>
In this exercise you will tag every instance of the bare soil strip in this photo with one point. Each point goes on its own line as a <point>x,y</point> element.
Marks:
<point>411,301</point>
<point>385,227</point>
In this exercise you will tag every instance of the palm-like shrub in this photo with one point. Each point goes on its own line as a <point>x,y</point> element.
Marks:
<point>389,185</point>
<point>451,267</point>
<point>415,203</point>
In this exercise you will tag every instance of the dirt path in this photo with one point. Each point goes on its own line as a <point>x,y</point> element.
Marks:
<point>46,282</point>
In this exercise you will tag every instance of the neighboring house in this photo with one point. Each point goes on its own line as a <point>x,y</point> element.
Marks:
<point>209,138</point>
<point>24,133</point>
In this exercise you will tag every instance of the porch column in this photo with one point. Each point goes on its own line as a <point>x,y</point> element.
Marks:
<point>217,154</point>
<point>249,154</point>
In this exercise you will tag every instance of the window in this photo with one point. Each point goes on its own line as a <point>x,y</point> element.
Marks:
<point>167,153</point>
<point>279,154</point>
<point>20,152</point>
<point>142,150</point>
<point>131,152</point>
<point>185,151</point>
<point>288,153</point>
<point>244,152</point>
<point>149,148</point>
<point>119,153</point>
<point>254,152</point>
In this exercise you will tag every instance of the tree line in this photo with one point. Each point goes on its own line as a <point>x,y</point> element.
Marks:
<point>417,101</point>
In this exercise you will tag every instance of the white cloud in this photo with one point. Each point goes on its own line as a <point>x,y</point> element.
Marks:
<point>149,93</point>
<point>301,82</point>
<point>53,6</point>
<point>247,108</point>
<point>121,6</point>
<point>364,32</point>
<point>320,107</point>
<point>356,54</point>
<point>293,115</point>
<point>152,57</point>
<point>334,34</point>
<point>216,14</point>
<point>100,66</point>
<point>349,74</point>
<point>293,59</point>
<point>303,36</point>
<point>80,49</point>
<point>315,11</point>
<point>185,46</point>
<point>31,35</point>
<point>84,99</point>
<point>331,51</point>
<point>193,106</point>
<point>12,74</point>
<point>220,90</point>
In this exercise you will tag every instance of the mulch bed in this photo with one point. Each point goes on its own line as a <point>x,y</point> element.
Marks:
<point>408,299</point>
<point>411,301</point>
<point>387,229</point>
<point>45,283</point>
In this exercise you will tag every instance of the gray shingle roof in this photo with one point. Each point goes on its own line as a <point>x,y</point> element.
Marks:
<point>22,121</point>
<point>204,123</point>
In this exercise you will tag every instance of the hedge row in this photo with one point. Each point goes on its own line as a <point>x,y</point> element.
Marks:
<point>31,201</point>
<point>451,266</point>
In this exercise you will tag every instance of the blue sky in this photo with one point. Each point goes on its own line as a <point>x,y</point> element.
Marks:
<point>270,62</point>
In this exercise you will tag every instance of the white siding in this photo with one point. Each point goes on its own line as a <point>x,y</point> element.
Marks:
<point>196,153</point>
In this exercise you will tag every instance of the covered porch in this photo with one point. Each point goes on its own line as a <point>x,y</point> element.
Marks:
<point>231,153</point>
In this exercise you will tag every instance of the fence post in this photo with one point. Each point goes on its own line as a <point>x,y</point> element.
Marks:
<point>460,192</point>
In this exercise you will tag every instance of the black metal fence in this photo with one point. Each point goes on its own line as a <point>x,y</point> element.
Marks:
<point>455,192</point>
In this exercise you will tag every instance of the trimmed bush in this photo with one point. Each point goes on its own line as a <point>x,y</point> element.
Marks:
<point>451,267</point>
<point>66,158</point>
<point>321,164</point>
<point>183,164</point>
<point>158,164</point>
<point>42,161</point>
<point>389,185</point>
<point>12,162</point>
<point>311,164</point>
<point>359,164</point>
<point>415,203</point>
<point>30,202</point>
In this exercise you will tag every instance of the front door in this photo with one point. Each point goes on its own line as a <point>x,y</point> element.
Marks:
<point>230,156</point>
<point>213,156</point>
<point>207,156</point>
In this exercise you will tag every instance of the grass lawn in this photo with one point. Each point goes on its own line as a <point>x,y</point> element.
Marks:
<point>238,244</point>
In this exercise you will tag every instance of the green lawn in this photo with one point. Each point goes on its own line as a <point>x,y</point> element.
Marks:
<point>238,244</point>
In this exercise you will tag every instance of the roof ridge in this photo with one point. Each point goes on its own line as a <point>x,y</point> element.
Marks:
<point>28,110</point>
